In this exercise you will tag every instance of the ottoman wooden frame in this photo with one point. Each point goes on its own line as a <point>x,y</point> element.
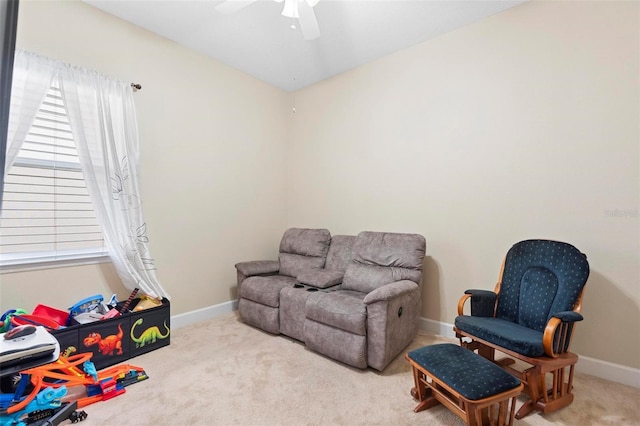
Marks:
<point>430,391</point>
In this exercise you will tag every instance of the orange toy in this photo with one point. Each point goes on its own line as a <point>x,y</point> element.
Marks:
<point>65,372</point>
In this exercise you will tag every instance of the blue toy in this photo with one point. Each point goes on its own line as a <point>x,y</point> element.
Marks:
<point>90,368</point>
<point>49,398</point>
<point>5,319</point>
<point>89,304</point>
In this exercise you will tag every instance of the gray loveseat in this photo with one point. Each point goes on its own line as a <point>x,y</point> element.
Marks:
<point>355,299</point>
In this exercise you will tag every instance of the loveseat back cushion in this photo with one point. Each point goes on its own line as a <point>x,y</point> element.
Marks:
<point>540,278</point>
<point>380,258</point>
<point>339,255</point>
<point>294,264</point>
<point>302,248</point>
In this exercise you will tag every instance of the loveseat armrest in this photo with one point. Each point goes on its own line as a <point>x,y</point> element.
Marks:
<point>390,291</point>
<point>320,278</point>
<point>557,333</point>
<point>393,312</point>
<point>483,302</point>
<point>258,267</point>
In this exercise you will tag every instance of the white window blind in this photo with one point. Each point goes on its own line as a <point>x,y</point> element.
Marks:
<point>47,214</point>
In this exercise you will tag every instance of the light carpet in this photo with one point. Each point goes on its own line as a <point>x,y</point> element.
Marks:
<point>223,372</point>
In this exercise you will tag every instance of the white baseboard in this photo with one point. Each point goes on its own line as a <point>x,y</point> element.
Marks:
<point>609,371</point>
<point>210,312</point>
<point>437,327</point>
<point>586,365</point>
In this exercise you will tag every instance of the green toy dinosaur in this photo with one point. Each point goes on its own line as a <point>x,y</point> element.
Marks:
<point>149,335</point>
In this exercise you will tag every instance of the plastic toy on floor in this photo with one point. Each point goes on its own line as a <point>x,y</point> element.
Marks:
<point>50,416</point>
<point>50,383</point>
<point>49,398</point>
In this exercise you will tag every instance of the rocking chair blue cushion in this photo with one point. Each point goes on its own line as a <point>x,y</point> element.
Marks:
<point>541,279</point>
<point>506,334</point>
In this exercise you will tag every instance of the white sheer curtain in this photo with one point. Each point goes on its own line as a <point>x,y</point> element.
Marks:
<point>32,78</point>
<point>103,120</point>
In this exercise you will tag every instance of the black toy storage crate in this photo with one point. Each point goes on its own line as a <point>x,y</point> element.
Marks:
<point>149,329</point>
<point>115,340</point>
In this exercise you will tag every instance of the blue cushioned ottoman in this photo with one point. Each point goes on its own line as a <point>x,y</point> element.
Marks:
<point>473,388</point>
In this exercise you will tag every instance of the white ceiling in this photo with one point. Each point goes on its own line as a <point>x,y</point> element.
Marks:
<point>259,41</point>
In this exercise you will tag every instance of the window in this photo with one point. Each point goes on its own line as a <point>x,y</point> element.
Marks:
<point>47,214</point>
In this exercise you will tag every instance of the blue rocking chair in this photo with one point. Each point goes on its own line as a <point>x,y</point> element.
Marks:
<point>530,316</point>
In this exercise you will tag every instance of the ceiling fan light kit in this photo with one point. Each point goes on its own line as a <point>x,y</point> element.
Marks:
<point>296,9</point>
<point>290,9</point>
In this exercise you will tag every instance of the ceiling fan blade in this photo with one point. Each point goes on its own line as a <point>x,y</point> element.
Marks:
<point>308,21</point>
<point>230,6</point>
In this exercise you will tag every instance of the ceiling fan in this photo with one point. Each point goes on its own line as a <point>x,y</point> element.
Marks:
<point>301,9</point>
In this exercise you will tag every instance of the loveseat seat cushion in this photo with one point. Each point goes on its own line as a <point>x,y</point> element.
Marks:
<point>381,258</point>
<point>265,290</point>
<point>503,333</point>
<point>341,309</point>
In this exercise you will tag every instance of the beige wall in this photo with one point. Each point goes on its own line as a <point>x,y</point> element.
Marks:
<point>212,166</point>
<point>523,125</point>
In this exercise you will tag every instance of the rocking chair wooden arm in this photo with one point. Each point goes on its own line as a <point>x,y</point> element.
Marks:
<point>482,305</point>
<point>461,303</point>
<point>562,324</point>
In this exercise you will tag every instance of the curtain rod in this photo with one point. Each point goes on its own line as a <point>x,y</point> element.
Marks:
<point>136,86</point>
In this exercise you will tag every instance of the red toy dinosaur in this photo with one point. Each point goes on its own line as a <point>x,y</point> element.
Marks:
<point>108,345</point>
